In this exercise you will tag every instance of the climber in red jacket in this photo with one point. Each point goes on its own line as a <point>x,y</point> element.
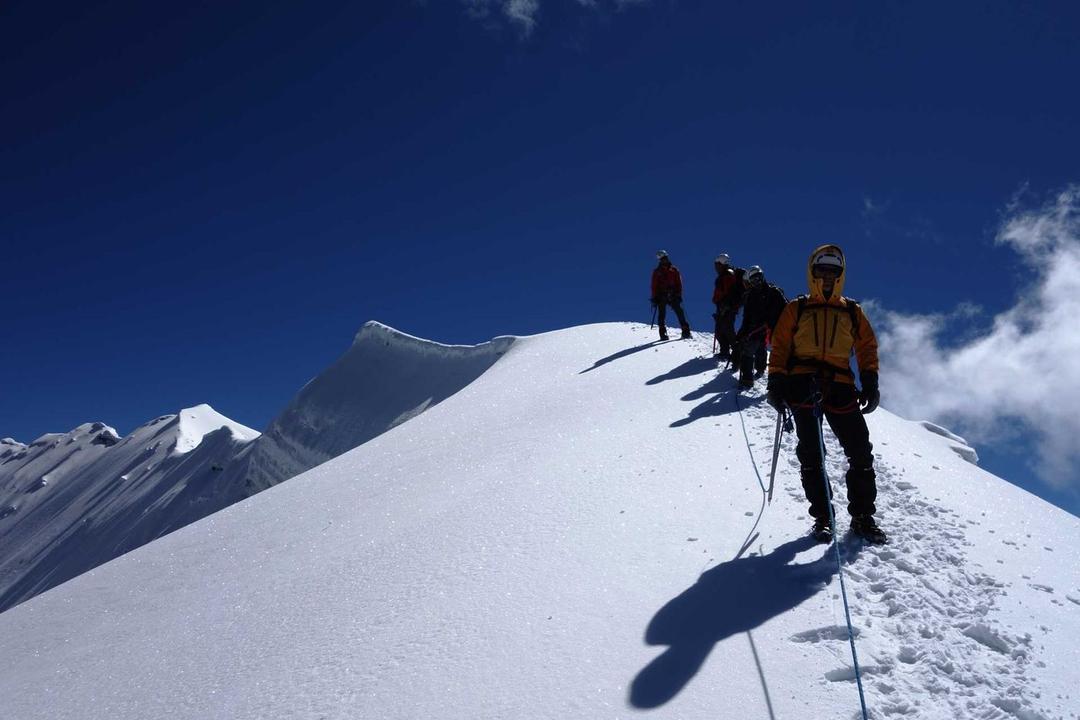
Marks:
<point>667,290</point>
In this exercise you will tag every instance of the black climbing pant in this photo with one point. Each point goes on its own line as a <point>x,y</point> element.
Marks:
<point>841,410</point>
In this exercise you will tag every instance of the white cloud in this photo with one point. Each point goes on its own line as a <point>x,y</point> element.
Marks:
<point>1022,373</point>
<point>523,14</point>
<point>872,208</point>
<point>519,13</point>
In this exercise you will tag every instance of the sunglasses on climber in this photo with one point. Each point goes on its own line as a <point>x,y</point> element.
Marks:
<point>824,271</point>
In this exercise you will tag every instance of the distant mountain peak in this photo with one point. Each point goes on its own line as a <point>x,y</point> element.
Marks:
<point>9,447</point>
<point>197,422</point>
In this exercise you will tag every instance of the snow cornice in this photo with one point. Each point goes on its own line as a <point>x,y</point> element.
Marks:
<point>375,332</point>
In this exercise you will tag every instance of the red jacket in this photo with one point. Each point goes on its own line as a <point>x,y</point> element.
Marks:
<point>666,282</point>
<point>726,288</point>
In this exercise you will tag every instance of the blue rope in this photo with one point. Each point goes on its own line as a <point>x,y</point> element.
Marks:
<point>836,546</point>
<point>749,449</point>
<point>750,536</point>
<point>818,413</point>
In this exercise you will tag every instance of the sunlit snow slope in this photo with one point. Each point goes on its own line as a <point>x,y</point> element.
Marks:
<point>579,533</point>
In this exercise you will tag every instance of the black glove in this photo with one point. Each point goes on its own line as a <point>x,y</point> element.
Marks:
<point>675,300</point>
<point>870,395</point>
<point>654,301</point>
<point>774,391</point>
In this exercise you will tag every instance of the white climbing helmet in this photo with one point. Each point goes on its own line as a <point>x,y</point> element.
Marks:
<point>829,257</point>
<point>755,275</point>
<point>723,259</point>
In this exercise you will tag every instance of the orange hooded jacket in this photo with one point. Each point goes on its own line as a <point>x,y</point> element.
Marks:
<point>820,339</point>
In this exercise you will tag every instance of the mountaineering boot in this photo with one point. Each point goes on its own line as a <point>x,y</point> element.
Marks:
<point>865,527</point>
<point>746,381</point>
<point>663,333</point>
<point>821,530</point>
<point>686,333</point>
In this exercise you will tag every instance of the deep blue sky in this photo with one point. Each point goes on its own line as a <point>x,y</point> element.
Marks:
<point>201,202</point>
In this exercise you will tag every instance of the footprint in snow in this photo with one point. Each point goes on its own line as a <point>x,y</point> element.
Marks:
<point>907,597</point>
<point>822,634</point>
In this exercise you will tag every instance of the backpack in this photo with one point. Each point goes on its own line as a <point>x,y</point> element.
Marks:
<point>776,304</point>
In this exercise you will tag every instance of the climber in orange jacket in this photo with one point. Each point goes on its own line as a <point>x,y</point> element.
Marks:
<point>812,344</point>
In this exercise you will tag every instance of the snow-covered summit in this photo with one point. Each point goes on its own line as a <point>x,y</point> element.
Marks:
<point>579,532</point>
<point>197,422</point>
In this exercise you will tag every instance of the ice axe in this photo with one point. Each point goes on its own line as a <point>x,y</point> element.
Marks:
<point>783,424</point>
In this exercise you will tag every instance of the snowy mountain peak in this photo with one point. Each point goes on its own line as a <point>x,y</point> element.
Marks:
<point>10,446</point>
<point>70,501</point>
<point>197,422</point>
<point>384,379</point>
<point>86,432</point>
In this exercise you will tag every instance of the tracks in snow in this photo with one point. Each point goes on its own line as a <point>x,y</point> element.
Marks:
<point>929,644</point>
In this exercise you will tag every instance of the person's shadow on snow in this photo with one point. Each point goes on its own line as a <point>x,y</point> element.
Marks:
<point>693,366</point>
<point>733,597</point>
<point>619,355</point>
<point>719,394</point>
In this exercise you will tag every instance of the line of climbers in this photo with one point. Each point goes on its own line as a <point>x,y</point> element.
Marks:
<point>813,339</point>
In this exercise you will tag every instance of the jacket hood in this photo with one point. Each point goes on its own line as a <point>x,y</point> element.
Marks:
<point>816,294</point>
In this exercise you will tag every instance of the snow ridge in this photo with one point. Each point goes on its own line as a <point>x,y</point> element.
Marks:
<point>71,501</point>
<point>386,378</point>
